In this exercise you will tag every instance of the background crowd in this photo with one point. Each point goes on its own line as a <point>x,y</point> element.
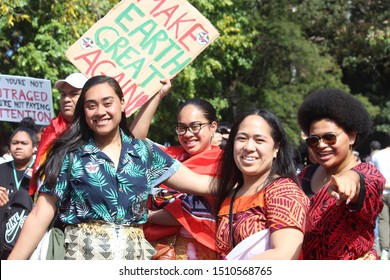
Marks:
<point>231,192</point>
<point>213,190</point>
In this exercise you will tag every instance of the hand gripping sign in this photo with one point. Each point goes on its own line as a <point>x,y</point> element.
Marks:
<point>139,42</point>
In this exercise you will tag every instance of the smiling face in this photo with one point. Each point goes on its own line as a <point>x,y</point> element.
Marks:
<point>199,142</point>
<point>332,156</point>
<point>254,148</point>
<point>103,110</point>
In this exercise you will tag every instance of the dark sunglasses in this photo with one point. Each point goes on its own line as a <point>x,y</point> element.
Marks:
<point>328,138</point>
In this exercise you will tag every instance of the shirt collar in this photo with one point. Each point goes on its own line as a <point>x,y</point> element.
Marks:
<point>127,146</point>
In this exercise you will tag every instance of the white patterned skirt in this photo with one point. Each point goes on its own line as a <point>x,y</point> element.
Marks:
<point>104,241</point>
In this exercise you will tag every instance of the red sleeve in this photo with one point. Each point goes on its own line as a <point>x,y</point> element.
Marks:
<point>49,134</point>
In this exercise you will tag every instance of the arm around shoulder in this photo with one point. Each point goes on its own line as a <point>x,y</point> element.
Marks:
<point>187,181</point>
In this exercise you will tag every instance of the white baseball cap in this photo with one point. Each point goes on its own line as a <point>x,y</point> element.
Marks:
<point>76,80</point>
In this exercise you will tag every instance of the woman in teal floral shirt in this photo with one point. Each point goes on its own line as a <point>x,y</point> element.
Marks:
<point>104,205</point>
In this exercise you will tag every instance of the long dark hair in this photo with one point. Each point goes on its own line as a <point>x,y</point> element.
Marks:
<point>228,172</point>
<point>78,133</point>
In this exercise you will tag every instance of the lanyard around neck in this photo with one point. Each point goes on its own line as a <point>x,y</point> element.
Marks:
<point>18,182</point>
<point>231,216</point>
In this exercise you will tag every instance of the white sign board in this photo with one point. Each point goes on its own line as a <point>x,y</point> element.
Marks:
<point>139,42</point>
<point>22,97</point>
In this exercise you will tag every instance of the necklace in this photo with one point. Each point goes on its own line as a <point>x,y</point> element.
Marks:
<point>326,179</point>
<point>18,182</point>
<point>327,176</point>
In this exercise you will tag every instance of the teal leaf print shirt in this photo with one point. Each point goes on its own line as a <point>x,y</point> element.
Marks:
<point>98,191</point>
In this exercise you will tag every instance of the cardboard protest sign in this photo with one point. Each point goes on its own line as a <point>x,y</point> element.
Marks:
<point>22,97</point>
<point>139,42</point>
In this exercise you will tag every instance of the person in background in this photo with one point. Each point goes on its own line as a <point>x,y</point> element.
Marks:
<point>221,135</point>
<point>381,159</point>
<point>39,132</point>
<point>183,220</point>
<point>5,154</point>
<point>375,146</point>
<point>345,196</point>
<point>258,191</point>
<point>15,179</point>
<point>16,173</point>
<point>105,202</point>
<point>70,89</point>
<point>38,129</point>
<point>356,154</point>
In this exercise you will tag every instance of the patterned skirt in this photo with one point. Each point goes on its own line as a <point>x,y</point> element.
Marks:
<point>189,248</point>
<point>103,241</point>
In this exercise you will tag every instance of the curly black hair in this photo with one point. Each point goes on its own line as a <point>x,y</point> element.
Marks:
<point>338,106</point>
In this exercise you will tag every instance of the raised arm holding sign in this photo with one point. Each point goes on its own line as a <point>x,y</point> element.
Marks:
<point>140,42</point>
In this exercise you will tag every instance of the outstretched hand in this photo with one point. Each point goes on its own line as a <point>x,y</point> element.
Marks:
<point>345,187</point>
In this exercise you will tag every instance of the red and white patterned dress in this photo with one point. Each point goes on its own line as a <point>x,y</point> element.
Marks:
<point>341,231</point>
<point>281,204</point>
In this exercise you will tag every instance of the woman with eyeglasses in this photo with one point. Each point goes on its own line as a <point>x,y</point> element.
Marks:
<point>345,196</point>
<point>183,220</point>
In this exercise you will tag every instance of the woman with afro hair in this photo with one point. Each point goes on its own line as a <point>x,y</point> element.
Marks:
<point>345,196</point>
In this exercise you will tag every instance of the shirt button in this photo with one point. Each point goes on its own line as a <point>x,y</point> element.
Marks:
<point>120,189</point>
<point>120,219</point>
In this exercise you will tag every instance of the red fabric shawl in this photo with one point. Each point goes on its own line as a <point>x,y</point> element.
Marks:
<point>50,133</point>
<point>200,224</point>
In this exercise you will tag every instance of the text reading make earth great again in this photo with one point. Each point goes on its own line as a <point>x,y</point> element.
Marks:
<point>140,42</point>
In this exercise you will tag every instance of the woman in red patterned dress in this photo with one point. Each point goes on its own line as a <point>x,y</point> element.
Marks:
<point>345,196</point>
<point>258,196</point>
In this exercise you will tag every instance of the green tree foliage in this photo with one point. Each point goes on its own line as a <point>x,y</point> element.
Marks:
<point>356,34</point>
<point>269,53</point>
<point>36,34</point>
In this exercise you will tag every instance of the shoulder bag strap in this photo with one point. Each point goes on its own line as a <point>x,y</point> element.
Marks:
<point>231,216</point>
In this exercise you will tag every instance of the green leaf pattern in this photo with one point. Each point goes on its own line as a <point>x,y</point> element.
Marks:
<point>77,170</point>
<point>102,212</point>
<point>97,180</point>
<point>101,192</point>
<point>112,196</point>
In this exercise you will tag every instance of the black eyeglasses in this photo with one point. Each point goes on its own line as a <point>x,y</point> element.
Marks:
<point>328,138</point>
<point>194,128</point>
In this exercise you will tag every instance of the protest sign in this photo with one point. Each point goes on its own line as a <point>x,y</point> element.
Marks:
<point>139,42</point>
<point>22,97</point>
